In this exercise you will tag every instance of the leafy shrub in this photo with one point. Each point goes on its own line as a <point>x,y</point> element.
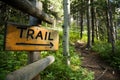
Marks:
<point>105,51</point>
<point>59,71</point>
<point>115,60</point>
<point>73,36</point>
<point>62,72</point>
<point>9,60</point>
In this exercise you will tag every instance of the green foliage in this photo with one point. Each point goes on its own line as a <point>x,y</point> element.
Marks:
<point>59,71</point>
<point>9,60</point>
<point>62,72</point>
<point>103,48</point>
<point>52,8</point>
<point>115,60</point>
<point>105,51</point>
<point>73,36</point>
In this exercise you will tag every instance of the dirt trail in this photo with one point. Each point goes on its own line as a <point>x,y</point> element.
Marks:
<point>92,61</point>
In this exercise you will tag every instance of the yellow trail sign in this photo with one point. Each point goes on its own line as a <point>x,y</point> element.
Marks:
<point>31,38</point>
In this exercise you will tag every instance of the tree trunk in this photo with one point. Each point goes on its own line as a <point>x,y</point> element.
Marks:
<point>81,20</point>
<point>77,18</point>
<point>66,4</point>
<point>107,26</point>
<point>115,24</point>
<point>96,24</point>
<point>112,33</point>
<point>97,31</point>
<point>92,20</point>
<point>88,25</point>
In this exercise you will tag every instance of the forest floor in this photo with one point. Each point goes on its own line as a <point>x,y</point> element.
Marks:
<point>93,62</point>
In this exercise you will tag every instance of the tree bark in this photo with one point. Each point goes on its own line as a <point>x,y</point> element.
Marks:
<point>96,25</point>
<point>92,21</point>
<point>88,25</point>
<point>111,26</point>
<point>107,26</point>
<point>81,19</point>
<point>66,5</point>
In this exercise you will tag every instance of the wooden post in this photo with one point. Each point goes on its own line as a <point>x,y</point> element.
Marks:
<point>34,56</point>
<point>27,7</point>
<point>31,70</point>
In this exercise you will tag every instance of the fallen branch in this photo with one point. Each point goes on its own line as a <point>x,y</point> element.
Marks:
<point>102,74</point>
<point>92,67</point>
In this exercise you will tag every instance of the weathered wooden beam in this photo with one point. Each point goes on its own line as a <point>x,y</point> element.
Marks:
<point>33,55</point>
<point>27,7</point>
<point>30,71</point>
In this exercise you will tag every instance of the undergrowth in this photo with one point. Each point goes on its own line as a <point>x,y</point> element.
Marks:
<point>60,71</point>
<point>10,60</point>
<point>13,60</point>
<point>105,51</point>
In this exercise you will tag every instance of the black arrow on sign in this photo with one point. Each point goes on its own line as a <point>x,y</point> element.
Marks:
<point>50,44</point>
